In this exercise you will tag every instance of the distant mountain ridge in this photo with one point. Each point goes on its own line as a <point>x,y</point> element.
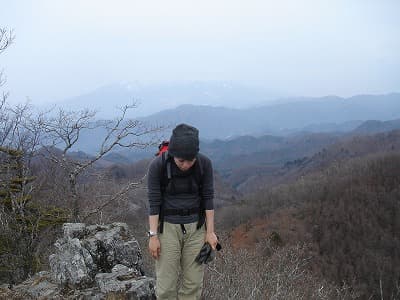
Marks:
<point>327,114</point>
<point>300,155</point>
<point>244,161</point>
<point>374,126</point>
<point>282,118</point>
<point>235,109</point>
<point>154,97</point>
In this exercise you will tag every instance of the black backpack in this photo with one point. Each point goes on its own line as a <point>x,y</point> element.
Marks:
<point>167,178</point>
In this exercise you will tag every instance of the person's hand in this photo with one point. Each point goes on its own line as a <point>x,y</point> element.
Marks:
<point>212,239</point>
<point>154,247</point>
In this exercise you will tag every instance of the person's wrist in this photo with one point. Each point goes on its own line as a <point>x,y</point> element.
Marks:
<point>152,234</point>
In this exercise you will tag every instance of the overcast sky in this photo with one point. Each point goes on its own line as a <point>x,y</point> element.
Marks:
<point>300,47</point>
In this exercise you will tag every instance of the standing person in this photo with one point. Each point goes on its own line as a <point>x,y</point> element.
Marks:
<point>181,217</point>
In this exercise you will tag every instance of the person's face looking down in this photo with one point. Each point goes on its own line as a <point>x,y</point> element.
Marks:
<point>184,164</point>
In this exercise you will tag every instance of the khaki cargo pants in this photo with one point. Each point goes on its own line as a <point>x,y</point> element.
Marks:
<point>178,253</point>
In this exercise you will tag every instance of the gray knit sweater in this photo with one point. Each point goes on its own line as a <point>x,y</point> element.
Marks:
<point>182,198</point>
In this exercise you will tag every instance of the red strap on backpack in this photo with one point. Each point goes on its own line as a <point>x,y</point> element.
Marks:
<point>163,147</point>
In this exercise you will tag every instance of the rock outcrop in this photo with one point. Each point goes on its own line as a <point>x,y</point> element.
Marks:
<point>90,262</point>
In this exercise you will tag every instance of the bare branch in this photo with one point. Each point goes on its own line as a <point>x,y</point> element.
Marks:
<point>6,38</point>
<point>2,82</point>
<point>66,128</point>
<point>123,134</point>
<point>116,196</point>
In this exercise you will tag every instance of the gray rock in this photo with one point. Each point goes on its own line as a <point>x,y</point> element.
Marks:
<point>92,229</point>
<point>111,245</point>
<point>72,265</point>
<point>74,230</point>
<point>120,279</point>
<point>142,289</point>
<point>93,262</point>
<point>39,286</point>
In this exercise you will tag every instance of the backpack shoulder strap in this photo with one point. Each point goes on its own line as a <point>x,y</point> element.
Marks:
<point>165,177</point>
<point>199,172</point>
<point>165,171</point>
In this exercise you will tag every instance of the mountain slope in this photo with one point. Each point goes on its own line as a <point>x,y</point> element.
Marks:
<point>348,215</point>
<point>341,149</point>
<point>154,97</point>
<point>284,118</point>
<point>374,126</point>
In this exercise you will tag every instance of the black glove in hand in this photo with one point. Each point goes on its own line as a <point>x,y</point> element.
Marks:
<point>206,254</point>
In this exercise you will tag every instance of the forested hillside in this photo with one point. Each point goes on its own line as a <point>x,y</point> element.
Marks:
<point>348,213</point>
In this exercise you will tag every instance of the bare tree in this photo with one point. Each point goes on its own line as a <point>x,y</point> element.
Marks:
<point>19,141</point>
<point>6,38</point>
<point>64,130</point>
<point>268,272</point>
<point>25,216</point>
<point>20,215</point>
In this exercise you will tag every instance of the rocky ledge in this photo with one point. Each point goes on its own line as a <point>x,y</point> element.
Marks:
<point>90,262</point>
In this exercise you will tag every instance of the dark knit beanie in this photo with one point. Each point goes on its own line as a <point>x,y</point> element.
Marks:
<point>184,142</point>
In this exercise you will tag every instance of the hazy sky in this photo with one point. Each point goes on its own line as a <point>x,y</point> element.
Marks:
<point>311,48</point>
